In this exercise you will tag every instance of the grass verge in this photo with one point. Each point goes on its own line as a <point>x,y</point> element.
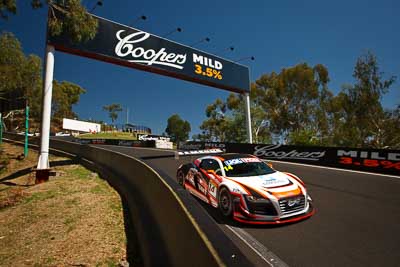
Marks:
<point>111,135</point>
<point>74,219</point>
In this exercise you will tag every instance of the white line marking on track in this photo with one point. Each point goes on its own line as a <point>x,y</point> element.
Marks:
<point>264,253</point>
<point>331,168</point>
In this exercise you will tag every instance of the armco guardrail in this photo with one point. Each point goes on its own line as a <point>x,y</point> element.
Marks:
<point>167,235</point>
<point>370,160</point>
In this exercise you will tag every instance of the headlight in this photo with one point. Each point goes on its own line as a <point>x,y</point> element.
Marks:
<point>256,199</point>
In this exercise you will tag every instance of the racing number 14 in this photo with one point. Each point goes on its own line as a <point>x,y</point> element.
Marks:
<point>212,189</point>
<point>227,168</point>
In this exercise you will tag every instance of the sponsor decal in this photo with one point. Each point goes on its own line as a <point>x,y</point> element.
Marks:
<point>370,159</point>
<point>129,46</point>
<point>270,151</point>
<point>237,161</point>
<point>270,181</point>
<point>197,152</point>
<point>148,137</point>
<point>190,146</point>
<point>207,67</point>
<point>215,145</point>
<point>125,143</point>
<point>98,141</point>
<point>369,155</point>
<point>212,189</point>
<point>85,141</point>
<point>247,160</point>
<point>273,181</point>
<point>233,162</point>
<point>371,163</point>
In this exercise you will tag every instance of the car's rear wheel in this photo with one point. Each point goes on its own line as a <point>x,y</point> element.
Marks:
<point>180,178</point>
<point>225,202</point>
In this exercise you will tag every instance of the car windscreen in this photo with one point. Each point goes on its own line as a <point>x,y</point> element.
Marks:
<point>244,167</point>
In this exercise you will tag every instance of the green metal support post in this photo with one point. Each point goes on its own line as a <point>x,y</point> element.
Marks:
<point>26,131</point>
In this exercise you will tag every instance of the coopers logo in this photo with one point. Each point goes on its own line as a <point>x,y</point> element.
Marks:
<point>138,49</point>
<point>270,151</point>
<point>129,46</point>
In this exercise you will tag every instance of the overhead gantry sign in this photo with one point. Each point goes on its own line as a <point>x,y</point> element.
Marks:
<point>122,45</point>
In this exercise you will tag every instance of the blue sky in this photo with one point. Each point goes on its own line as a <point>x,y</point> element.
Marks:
<point>278,34</point>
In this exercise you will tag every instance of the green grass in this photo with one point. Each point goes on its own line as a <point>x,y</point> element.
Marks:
<point>72,202</point>
<point>39,196</point>
<point>99,190</point>
<point>110,262</point>
<point>80,173</point>
<point>70,223</point>
<point>114,135</point>
<point>116,207</point>
<point>49,261</point>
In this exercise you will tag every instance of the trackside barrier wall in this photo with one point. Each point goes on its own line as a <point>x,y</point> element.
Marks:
<point>115,142</point>
<point>371,160</point>
<point>166,233</point>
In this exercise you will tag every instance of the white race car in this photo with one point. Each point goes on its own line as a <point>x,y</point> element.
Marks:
<point>247,189</point>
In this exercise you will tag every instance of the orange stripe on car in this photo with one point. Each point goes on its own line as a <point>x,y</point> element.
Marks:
<point>284,194</point>
<point>220,158</point>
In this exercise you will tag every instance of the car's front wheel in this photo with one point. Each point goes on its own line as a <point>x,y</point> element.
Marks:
<point>225,202</point>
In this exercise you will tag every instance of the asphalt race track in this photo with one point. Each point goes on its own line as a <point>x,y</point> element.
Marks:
<point>357,221</point>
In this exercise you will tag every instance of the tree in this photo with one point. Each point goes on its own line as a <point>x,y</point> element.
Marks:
<point>259,120</point>
<point>177,128</point>
<point>113,110</point>
<point>295,104</point>
<point>20,75</point>
<point>290,98</point>
<point>389,135</point>
<point>65,16</point>
<point>214,128</point>
<point>359,110</point>
<point>65,95</point>
<point>14,65</point>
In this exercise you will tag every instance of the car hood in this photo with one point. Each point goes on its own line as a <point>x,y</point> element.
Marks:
<point>275,179</point>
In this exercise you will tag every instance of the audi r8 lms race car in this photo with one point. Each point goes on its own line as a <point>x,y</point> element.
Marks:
<point>247,189</point>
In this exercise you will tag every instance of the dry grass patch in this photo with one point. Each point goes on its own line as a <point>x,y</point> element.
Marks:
<point>75,219</point>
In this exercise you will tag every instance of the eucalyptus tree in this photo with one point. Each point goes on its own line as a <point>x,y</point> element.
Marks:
<point>177,128</point>
<point>359,106</point>
<point>113,110</point>
<point>65,16</point>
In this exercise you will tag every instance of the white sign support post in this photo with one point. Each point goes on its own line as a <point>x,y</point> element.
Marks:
<point>248,117</point>
<point>42,172</point>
